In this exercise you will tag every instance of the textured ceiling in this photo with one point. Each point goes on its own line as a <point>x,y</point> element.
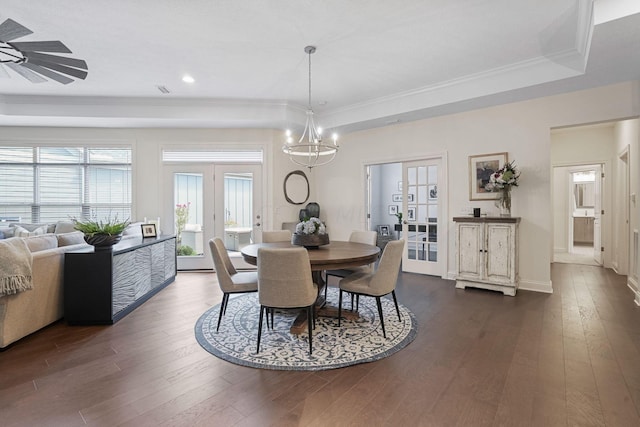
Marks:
<point>376,61</point>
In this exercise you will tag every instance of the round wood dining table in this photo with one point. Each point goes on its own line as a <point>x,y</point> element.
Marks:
<point>334,256</point>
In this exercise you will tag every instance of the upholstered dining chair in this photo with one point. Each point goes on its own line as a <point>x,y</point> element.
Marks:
<point>276,236</point>
<point>284,282</point>
<point>379,283</point>
<point>230,280</point>
<point>367,237</point>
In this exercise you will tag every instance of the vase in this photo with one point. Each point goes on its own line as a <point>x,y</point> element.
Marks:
<point>504,202</point>
<point>102,242</point>
<point>310,241</point>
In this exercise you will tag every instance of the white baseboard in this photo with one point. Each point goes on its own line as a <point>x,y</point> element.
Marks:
<point>633,285</point>
<point>532,285</point>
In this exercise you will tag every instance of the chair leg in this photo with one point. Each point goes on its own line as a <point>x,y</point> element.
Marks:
<point>226,302</point>
<point>339,307</point>
<point>395,301</point>
<point>223,308</point>
<point>384,333</point>
<point>357,302</point>
<point>352,295</point>
<point>309,322</point>
<point>273,310</point>
<point>262,308</point>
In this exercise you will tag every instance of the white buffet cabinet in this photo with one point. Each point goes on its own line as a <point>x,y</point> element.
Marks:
<point>487,253</point>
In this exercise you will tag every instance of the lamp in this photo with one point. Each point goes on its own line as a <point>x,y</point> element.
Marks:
<point>310,150</point>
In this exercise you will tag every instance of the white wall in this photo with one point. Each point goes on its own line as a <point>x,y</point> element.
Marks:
<point>521,129</point>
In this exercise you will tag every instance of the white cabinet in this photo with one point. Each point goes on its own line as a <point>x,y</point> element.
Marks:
<point>487,253</point>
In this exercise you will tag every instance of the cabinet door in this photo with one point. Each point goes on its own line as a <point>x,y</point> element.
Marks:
<point>500,253</point>
<point>470,247</point>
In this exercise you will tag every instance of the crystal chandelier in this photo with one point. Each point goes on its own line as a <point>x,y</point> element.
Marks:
<point>310,150</point>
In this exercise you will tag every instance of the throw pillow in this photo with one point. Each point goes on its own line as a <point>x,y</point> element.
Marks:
<point>64,227</point>
<point>41,243</point>
<point>67,239</point>
<point>23,232</point>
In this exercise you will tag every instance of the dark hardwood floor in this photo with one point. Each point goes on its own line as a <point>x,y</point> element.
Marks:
<point>480,358</point>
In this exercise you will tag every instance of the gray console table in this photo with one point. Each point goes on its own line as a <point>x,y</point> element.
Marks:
<point>101,287</point>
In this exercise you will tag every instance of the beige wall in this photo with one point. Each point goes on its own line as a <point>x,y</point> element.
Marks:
<point>521,129</point>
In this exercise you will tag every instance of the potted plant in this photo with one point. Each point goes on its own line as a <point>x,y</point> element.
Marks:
<point>101,234</point>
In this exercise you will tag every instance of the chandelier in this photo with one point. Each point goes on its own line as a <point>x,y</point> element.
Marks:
<point>310,150</point>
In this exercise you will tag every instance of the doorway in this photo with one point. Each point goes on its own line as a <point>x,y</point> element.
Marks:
<point>207,200</point>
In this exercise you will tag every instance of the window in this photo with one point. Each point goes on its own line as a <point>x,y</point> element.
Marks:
<point>47,184</point>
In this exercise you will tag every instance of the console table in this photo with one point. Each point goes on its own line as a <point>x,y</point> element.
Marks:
<point>101,287</point>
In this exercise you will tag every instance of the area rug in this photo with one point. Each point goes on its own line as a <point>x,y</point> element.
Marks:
<point>355,341</point>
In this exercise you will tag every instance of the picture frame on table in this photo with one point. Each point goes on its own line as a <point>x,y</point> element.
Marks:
<point>149,230</point>
<point>480,169</point>
<point>384,230</point>
<point>393,209</point>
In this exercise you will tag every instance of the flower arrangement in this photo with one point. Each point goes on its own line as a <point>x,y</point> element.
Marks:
<point>504,178</point>
<point>311,226</point>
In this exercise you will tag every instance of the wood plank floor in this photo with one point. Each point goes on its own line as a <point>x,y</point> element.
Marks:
<point>480,358</point>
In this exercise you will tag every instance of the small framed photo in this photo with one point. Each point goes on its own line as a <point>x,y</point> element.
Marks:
<point>480,169</point>
<point>396,197</point>
<point>399,185</point>
<point>384,230</point>
<point>410,197</point>
<point>149,230</point>
<point>393,209</point>
<point>411,214</point>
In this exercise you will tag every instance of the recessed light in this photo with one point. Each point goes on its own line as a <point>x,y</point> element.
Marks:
<point>188,79</point>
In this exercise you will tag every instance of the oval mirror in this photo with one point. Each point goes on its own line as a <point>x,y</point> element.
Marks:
<point>296,187</point>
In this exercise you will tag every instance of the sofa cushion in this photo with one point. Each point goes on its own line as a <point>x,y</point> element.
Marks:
<point>64,227</point>
<point>7,231</point>
<point>41,243</point>
<point>67,239</point>
<point>20,231</point>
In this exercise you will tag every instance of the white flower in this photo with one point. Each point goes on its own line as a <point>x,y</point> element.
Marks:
<point>311,226</point>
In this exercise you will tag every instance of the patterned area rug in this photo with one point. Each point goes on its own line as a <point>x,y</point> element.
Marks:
<point>355,341</point>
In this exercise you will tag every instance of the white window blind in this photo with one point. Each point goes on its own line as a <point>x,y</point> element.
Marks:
<point>212,156</point>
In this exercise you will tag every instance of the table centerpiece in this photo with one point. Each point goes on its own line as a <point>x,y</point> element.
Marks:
<point>310,233</point>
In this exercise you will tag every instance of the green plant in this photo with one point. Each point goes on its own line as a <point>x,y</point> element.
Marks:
<point>111,227</point>
<point>186,251</point>
<point>182,216</point>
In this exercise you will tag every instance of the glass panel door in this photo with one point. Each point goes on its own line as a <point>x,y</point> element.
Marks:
<point>422,226</point>
<point>190,213</point>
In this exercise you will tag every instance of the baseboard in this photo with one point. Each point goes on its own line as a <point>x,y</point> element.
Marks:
<point>531,285</point>
<point>451,275</point>
<point>633,285</point>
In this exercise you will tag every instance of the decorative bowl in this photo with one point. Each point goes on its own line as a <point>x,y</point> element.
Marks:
<point>310,241</point>
<point>102,242</point>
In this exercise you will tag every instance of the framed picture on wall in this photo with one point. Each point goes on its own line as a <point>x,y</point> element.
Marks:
<point>396,197</point>
<point>393,209</point>
<point>480,169</point>
<point>399,185</point>
<point>411,214</point>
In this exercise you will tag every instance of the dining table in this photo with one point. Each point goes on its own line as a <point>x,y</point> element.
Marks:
<point>334,256</point>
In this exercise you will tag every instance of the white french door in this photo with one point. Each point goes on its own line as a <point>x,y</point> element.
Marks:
<point>423,223</point>
<point>203,201</point>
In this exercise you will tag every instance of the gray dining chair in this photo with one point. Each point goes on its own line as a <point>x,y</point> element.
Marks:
<point>230,280</point>
<point>367,237</point>
<point>276,236</point>
<point>376,284</point>
<point>284,282</point>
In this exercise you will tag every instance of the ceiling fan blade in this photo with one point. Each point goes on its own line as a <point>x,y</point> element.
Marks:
<point>55,59</point>
<point>27,74</point>
<point>59,68</point>
<point>11,30</point>
<point>45,46</point>
<point>48,73</point>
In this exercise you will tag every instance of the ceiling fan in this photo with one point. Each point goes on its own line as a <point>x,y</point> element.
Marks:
<point>27,59</point>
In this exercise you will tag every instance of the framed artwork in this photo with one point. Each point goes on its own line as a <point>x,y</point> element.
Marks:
<point>410,197</point>
<point>480,169</point>
<point>396,197</point>
<point>433,192</point>
<point>411,214</point>
<point>399,185</point>
<point>384,230</point>
<point>393,209</point>
<point>149,230</point>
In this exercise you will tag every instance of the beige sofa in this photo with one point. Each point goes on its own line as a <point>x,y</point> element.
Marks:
<point>25,312</point>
